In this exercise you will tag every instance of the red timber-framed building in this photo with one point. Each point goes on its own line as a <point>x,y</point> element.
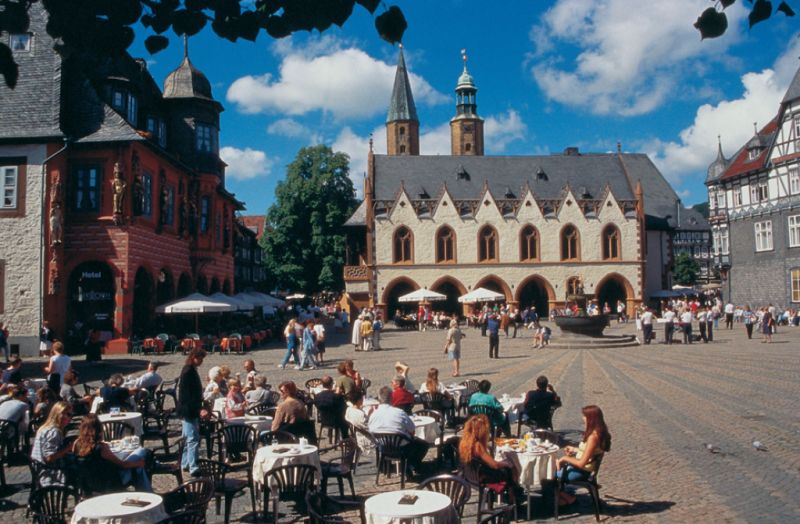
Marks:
<point>122,185</point>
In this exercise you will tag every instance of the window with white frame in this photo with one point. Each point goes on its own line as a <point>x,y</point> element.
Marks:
<point>753,153</point>
<point>737,197</point>
<point>794,231</point>
<point>721,200</point>
<point>763,232</point>
<point>794,180</point>
<point>759,193</point>
<point>133,109</point>
<point>8,187</point>
<point>795,279</point>
<point>20,42</point>
<point>797,133</point>
<point>724,244</point>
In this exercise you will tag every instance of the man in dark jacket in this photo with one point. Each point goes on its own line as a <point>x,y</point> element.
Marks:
<point>331,406</point>
<point>190,403</point>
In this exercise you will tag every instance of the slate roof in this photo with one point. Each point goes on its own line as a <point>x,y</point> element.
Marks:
<point>741,164</point>
<point>547,176</point>
<point>794,89</point>
<point>187,82</point>
<point>359,216</point>
<point>692,220</point>
<point>401,106</point>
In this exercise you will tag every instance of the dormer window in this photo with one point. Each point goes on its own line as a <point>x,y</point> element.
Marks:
<point>158,129</point>
<point>20,42</point>
<point>753,153</point>
<point>132,109</point>
<point>118,100</point>
<point>206,138</point>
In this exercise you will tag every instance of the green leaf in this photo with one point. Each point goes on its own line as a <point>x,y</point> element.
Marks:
<point>248,26</point>
<point>711,23</point>
<point>185,22</point>
<point>14,17</point>
<point>156,43</point>
<point>391,25</point>
<point>762,10</point>
<point>8,68</point>
<point>786,9</point>
<point>277,27</point>
<point>125,12</point>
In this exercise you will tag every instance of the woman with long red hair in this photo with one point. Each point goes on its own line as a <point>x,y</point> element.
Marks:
<point>473,453</point>
<point>579,463</point>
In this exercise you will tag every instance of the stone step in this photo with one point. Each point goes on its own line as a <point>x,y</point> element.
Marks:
<point>608,341</point>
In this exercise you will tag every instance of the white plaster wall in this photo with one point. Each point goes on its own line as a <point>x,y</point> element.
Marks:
<point>19,248</point>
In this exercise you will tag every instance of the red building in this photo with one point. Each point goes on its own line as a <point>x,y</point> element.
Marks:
<point>134,207</point>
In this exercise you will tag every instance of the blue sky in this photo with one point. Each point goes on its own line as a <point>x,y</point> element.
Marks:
<point>550,74</point>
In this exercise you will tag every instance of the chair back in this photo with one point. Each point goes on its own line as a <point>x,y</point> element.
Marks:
<point>303,428</point>
<point>284,437</point>
<point>480,409</point>
<point>364,433</point>
<point>51,504</point>
<point>213,470</point>
<point>237,440</point>
<point>349,452</point>
<point>499,515</point>
<point>365,384</point>
<point>273,397</point>
<point>185,517</point>
<point>262,409</point>
<point>95,476</point>
<point>193,495</point>
<point>55,473</point>
<point>435,415</point>
<point>391,445</point>
<point>315,505</point>
<point>471,386</point>
<point>434,400</point>
<point>454,487</point>
<point>291,481</point>
<point>117,429</point>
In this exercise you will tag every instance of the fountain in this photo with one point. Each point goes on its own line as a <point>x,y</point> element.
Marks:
<point>582,330</point>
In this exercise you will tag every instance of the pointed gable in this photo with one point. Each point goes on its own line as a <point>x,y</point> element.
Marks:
<point>401,106</point>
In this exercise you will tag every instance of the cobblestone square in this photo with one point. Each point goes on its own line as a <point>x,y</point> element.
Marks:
<point>663,404</point>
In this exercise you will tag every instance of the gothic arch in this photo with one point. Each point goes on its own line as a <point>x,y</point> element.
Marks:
<point>569,247</point>
<point>611,243</point>
<point>495,283</point>
<point>441,250</point>
<point>394,290</point>
<point>451,287</point>
<point>613,287</point>
<point>536,291</point>
<point>488,244</point>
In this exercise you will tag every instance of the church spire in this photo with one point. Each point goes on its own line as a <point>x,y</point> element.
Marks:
<point>402,124</point>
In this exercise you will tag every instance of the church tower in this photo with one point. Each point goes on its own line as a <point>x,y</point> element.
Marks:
<point>466,128</point>
<point>402,124</point>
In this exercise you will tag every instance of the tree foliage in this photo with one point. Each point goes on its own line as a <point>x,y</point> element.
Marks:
<point>304,243</point>
<point>107,25</point>
<point>702,208</point>
<point>713,22</point>
<point>685,270</point>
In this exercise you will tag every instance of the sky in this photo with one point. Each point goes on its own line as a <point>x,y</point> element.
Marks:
<point>551,74</point>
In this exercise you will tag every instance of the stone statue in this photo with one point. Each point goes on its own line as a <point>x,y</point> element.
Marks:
<point>54,278</point>
<point>56,224</point>
<point>118,186</point>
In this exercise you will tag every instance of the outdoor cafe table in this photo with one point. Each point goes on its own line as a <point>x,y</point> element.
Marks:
<point>430,508</point>
<point>533,466</point>
<point>510,405</point>
<point>270,457</point>
<point>131,418</point>
<point>455,391</point>
<point>110,509</point>
<point>259,422</point>
<point>219,407</point>
<point>425,428</point>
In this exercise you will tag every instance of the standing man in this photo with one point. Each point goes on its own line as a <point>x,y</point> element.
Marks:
<point>452,345</point>
<point>669,325</point>
<point>356,338</point>
<point>319,331</point>
<point>686,325</point>
<point>702,315</point>
<point>190,403</point>
<point>493,328</point>
<point>647,325</point>
<point>729,315</point>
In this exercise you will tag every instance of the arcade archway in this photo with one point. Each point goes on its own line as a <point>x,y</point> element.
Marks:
<point>165,288</point>
<point>453,289</point>
<point>496,284</point>
<point>202,285</point>
<point>184,285</point>
<point>612,289</point>
<point>536,292</point>
<point>215,287</point>
<point>396,289</point>
<point>143,301</point>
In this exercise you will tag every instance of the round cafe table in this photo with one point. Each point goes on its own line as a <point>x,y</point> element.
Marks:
<point>270,457</point>
<point>510,405</point>
<point>430,508</point>
<point>111,509</point>
<point>370,405</point>
<point>259,422</point>
<point>533,466</point>
<point>131,418</point>
<point>425,428</point>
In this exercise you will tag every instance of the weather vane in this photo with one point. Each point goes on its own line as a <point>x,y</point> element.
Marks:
<point>464,57</point>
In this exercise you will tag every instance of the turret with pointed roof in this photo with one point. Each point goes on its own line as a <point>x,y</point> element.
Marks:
<point>402,124</point>
<point>718,166</point>
<point>466,128</point>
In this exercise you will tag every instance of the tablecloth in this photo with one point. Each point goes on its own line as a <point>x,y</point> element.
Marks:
<point>266,459</point>
<point>131,418</point>
<point>430,508</point>
<point>261,423</point>
<point>425,428</point>
<point>533,467</point>
<point>510,405</point>
<point>108,509</point>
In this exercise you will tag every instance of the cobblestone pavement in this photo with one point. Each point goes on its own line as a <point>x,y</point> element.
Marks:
<point>662,405</point>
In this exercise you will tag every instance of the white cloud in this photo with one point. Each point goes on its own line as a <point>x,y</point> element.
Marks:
<point>326,75</point>
<point>291,128</point>
<point>631,54</point>
<point>503,129</point>
<point>245,164</point>
<point>357,147</point>
<point>732,119</point>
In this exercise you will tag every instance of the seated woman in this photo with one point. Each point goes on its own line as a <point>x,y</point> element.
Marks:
<point>216,387</point>
<point>90,446</point>
<point>579,463</point>
<point>45,399</point>
<point>479,464</point>
<point>291,415</point>
<point>432,385</point>
<point>48,445</point>
<point>235,402</point>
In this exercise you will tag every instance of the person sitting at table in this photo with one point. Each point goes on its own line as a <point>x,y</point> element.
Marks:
<point>401,368</point>
<point>235,402</point>
<point>473,453</point>
<point>579,463</point>
<point>540,402</point>
<point>216,387</point>
<point>59,363</point>
<point>357,417</point>
<point>45,399</point>
<point>258,394</point>
<point>249,380</point>
<point>114,394</point>
<point>345,385</point>
<point>432,385</point>
<point>401,398</point>
<point>151,379</point>
<point>48,445</point>
<point>16,410</point>
<point>332,407</point>
<point>389,419</point>
<point>98,456</point>
<point>80,404</point>
<point>483,398</point>
<point>12,375</point>
<point>291,410</point>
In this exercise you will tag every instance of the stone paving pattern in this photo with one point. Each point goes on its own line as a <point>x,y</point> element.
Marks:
<point>662,404</point>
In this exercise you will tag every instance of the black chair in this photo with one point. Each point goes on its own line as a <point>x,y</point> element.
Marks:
<point>155,422</point>
<point>354,430</point>
<point>96,477</point>
<point>323,510</point>
<point>9,442</point>
<point>185,517</point>
<point>262,409</point>
<point>391,450</point>
<point>52,505</point>
<point>499,515</point>
<point>238,450</point>
<point>169,462</point>
<point>116,429</point>
<point>454,487</point>
<point>473,473</point>
<point>365,384</point>
<point>590,484</point>
<point>209,427</point>
<point>284,437</point>
<point>223,487</point>
<point>302,428</point>
<point>471,386</point>
<point>341,467</point>
<point>287,483</point>
<point>542,418</point>
<point>331,419</point>
<point>439,418</point>
<point>192,496</point>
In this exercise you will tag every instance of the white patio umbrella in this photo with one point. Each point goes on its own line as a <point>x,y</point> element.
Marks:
<point>268,300</point>
<point>296,296</point>
<point>481,295</point>
<point>196,303</point>
<point>422,295</point>
<point>240,305</point>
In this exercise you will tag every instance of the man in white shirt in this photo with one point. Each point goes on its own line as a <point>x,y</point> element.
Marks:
<point>389,419</point>
<point>319,331</point>
<point>729,315</point>
<point>647,325</point>
<point>151,378</point>
<point>669,325</point>
<point>686,326</point>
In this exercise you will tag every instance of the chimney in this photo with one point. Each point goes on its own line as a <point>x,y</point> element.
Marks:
<point>572,151</point>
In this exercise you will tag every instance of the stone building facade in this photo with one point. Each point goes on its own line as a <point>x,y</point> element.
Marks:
<point>529,227</point>
<point>754,210</point>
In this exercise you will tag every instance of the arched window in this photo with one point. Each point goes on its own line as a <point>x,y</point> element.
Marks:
<point>570,245</point>
<point>528,244</point>
<point>445,245</point>
<point>487,245</point>
<point>574,286</point>
<point>611,243</point>
<point>403,246</point>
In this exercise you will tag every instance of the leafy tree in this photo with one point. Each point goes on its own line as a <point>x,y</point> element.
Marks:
<point>713,22</point>
<point>305,245</point>
<point>702,208</point>
<point>107,25</point>
<point>685,270</point>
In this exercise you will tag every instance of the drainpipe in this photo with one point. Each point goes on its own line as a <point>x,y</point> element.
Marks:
<point>43,221</point>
